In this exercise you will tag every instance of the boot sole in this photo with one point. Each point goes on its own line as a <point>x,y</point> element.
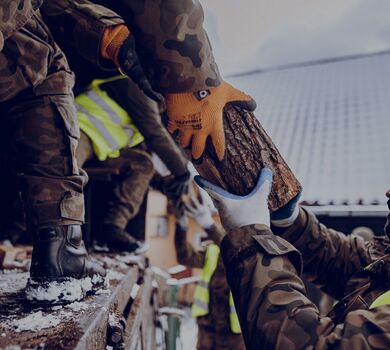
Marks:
<point>62,290</point>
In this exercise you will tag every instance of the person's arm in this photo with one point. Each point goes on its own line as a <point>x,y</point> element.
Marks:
<point>186,254</point>
<point>177,58</point>
<point>271,302</point>
<point>80,24</point>
<point>146,117</point>
<point>269,296</point>
<point>171,42</point>
<point>13,15</point>
<point>330,257</point>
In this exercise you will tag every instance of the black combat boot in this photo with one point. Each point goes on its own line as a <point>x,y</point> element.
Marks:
<point>61,270</point>
<point>120,240</point>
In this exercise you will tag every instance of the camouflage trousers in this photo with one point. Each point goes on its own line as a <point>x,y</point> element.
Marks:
<point>38,139</point>
<point>130,187</point>
<point>209,339</point>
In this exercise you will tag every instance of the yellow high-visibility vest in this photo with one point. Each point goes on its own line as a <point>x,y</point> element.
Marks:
<point>383,299</point>
<point>108,125</point>
<point>200,306</point>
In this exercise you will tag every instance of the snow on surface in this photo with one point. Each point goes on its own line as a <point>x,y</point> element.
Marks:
<point>36,321</point>
<point>114,275</point>
<point>103,291</point>
<point>39,320</point>
<point>77,306</point>
<point>112,319</point>
<point>67,291</point>
<point>57,307</point>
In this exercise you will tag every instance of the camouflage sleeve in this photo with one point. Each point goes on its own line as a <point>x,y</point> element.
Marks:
<point>270,299</point>
<point>146,117</point>
<point>172,44</point>
<point>80,24</point>
<point>13,15</point>
<point>186,254</point>
<point>330,257</point>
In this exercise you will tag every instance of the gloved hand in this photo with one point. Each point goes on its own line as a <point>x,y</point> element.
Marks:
<point>178,186</point>
<point>199,211</point>
<point>118,45</point>
<point>237,211</point>
<point>286,215</point>
<point>181,220</point>
<point>199,115</point>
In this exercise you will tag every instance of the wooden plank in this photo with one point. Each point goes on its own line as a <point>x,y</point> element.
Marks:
<point>76,326</point>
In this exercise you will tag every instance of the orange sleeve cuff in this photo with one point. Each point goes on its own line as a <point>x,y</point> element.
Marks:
<point>112,40</point>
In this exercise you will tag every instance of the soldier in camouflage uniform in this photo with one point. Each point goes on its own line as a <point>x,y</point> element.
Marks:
<point>36,81</point>
<point>176,56</point>
<point>39,138</point>
<point>40,131</point>
<point>214,328</point>
<point>263,272</point>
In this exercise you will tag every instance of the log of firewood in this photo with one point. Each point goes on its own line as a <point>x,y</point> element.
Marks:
<point>248,150</point>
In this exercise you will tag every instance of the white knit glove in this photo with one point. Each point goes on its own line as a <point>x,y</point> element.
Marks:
<point>199,211</point>
<point>238,211</point>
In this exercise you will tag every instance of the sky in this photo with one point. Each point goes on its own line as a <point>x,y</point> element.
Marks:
<point>255,34</point>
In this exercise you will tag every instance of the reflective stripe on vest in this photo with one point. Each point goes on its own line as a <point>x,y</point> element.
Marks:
<point>383,299</point>
<point>108,125</point>
<point>234,322</point>
<point>200,307</point>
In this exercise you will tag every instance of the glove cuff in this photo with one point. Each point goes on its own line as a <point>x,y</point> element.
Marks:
<point>112,40</point>
<point>287,221</point>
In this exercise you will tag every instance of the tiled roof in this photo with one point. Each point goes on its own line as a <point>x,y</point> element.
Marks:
<point>331,122</point>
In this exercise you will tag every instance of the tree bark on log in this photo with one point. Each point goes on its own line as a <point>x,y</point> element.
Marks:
<point>248,150</point>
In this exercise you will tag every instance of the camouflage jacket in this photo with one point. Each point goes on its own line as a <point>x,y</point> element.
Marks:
<point>263,273</point>
<point>29,57</point>
<point>172,45</point>
<point>188,255</point>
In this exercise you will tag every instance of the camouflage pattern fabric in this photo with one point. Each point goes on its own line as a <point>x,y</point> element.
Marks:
<point>210,339</point>
<point>129,188</point>
<point>330,258</point>
<point>13,15</point>
<point>214,328</point>
<point>81,24</point>
<point>172,45</point>
<point>31,59</point>
<point>263,273</point>
<point>39,137</point>
<point>36,103</point>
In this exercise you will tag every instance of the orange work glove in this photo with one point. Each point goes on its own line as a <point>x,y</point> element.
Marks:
<point>200,114</point>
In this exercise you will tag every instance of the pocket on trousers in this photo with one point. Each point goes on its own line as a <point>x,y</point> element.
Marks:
<point>72,206</point>
<point>67,110</point>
